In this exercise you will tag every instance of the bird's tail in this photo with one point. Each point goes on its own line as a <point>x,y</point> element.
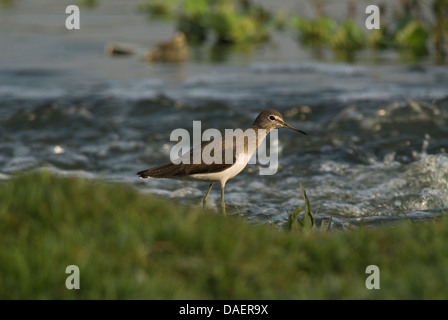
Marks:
<point>144,174</point>
<point>164,171</point>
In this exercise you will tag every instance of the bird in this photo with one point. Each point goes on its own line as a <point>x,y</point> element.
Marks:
<point>175,50</point>
<point>240,150</point>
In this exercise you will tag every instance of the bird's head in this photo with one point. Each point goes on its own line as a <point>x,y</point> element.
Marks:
<point>271,119</point>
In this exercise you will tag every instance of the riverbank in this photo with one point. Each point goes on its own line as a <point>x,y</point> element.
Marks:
<point>130,245</point>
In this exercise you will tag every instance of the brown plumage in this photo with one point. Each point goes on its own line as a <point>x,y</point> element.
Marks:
<point>221,172</point>
<point>175,50</point>
<point>182,170</point>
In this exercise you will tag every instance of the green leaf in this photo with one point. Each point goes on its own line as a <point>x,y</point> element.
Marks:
<point>309,219</point>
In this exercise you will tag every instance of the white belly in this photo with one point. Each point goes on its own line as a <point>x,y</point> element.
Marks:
<point>221,176</point>
<point>241,160</point>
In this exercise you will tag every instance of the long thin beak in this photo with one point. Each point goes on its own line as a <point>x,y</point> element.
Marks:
<point>285,125</point>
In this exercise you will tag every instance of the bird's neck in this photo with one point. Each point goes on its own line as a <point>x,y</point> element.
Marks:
<point>260,133</point>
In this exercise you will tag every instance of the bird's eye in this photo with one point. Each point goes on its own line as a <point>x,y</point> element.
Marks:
<point>271,118</point>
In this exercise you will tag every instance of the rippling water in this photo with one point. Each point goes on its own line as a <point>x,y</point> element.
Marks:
<point>377,147</point>
<point>376,150</point>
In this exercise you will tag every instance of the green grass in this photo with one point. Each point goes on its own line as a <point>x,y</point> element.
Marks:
<point>131,245</point>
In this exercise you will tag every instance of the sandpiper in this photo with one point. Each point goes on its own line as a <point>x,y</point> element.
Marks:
<point>175,50</point>
<point>223,171</point>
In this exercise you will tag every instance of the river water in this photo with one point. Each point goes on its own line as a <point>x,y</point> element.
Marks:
<point>378,129</point>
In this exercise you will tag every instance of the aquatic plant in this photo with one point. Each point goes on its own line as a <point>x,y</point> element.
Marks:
<point>158,8</point>
<point>413,36</point>
<point>191,20</point>
<point>244,22</point>
<point>230,26</point>
<point>239,22</point>
<point>280,19</point>
<point>6,3</point>
<point>313,31</point>
<point>379,39</point>
<point>348,37</point>
<point>87,3</point>
<point>229,21</point>
<point>309,221</point>
<point>175,50</point>
<point>440,30</point>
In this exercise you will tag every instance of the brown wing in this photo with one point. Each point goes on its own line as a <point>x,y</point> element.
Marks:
<point>171,170</point>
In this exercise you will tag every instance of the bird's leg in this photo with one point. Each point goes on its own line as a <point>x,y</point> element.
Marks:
<point>223,204</point>
<point>204,202</point>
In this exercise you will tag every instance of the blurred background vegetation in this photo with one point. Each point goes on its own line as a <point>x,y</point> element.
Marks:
<point>239,23</point>
<point>247,23</point>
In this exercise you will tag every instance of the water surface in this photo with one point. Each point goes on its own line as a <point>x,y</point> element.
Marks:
<point>378,132</point>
